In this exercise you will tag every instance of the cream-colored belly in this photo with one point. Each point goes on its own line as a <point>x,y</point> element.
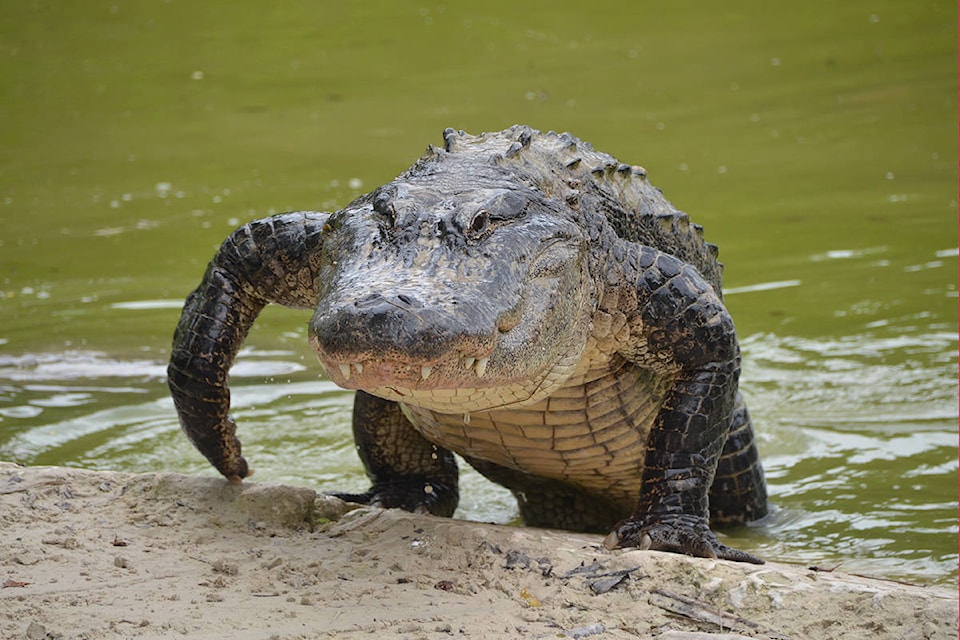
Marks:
<point>591,433</point>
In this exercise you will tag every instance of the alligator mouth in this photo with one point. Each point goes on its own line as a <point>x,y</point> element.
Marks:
<point>377,372</point>
<point>368,371</point>
<point>468,387</point>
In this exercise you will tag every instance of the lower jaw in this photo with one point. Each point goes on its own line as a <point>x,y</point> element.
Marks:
<point>460,400</point>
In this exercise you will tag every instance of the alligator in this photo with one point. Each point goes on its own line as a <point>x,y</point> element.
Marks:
<point>523,301</point>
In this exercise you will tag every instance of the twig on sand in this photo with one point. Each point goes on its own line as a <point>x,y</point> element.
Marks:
<point>704,612</point>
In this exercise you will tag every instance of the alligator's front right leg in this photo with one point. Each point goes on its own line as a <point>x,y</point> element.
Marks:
<point>275,259</point>
<point>407,471</point>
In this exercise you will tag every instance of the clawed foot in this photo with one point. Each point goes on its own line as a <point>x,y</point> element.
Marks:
<point>235,469</point>
<point>680,534</point>
<point>414,495</point>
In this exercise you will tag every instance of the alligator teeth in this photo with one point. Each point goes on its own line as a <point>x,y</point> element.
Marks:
<point>482,366</point>
<point>359,368</point>
<point>425,372</point>
<point>479,365</point>
<point>345,371</point>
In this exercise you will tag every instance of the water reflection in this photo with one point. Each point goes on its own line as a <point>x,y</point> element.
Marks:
<point>858,436</point>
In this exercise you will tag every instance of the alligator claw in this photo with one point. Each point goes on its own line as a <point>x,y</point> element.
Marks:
<point>680,534</point>
<point>238,478</point>
<point>355,498</point>
<point>415,496</point>
<point>233,466</point>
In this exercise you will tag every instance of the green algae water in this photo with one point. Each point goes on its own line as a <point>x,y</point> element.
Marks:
<point>816,142</point>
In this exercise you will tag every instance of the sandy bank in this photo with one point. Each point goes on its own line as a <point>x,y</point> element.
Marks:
<point>95,555</point>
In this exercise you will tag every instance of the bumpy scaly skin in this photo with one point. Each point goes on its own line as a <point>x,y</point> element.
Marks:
<point>272,260</point>
<point>524,301</point>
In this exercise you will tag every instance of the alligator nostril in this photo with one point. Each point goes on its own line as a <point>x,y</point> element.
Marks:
<point>406,302</point>
<point>374,302</point>
<point>368,301</point>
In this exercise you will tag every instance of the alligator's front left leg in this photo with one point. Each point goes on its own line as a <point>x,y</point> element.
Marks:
<point>275,259</point>
<point>682,329</point>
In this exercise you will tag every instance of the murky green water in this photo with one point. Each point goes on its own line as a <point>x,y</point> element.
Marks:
<point>815,141</point>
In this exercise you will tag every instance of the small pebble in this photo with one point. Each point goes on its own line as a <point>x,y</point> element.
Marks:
<point>226,568</point>
<point>583,632</point>
<point>36,631</point>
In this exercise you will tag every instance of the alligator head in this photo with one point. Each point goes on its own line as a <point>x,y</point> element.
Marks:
<point>442,294</point>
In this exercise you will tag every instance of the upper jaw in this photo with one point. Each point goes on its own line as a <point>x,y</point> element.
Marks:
<point>370,371</point>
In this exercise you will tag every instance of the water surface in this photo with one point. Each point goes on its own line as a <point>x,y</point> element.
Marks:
<point>815,142</point>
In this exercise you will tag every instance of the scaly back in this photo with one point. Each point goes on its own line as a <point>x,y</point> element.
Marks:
<point>569,169</point>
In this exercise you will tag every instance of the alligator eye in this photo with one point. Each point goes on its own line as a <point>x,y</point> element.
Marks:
<point>479,224</point>
<point>383,206</point>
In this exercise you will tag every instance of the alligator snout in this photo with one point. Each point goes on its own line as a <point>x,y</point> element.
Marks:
<point>391,325</point>
<point>399,339</point>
